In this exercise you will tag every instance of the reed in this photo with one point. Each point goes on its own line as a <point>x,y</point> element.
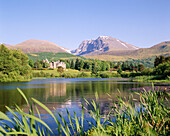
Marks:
<point>150,115</point>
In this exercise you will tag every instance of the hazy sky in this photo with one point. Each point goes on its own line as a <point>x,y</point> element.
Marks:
<point>67,23</point>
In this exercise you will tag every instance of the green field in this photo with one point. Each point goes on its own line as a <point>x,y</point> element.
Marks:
<point>68,73</point>
<point>52,56</point>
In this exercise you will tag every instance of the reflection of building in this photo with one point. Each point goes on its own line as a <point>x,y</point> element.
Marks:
<point>58,89</point>
<point>56,64</point>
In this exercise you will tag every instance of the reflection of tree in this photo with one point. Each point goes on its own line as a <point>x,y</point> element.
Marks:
<point>66,93</point>
<point>10,98</point>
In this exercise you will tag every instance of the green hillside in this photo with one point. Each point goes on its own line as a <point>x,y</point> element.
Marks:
<point>51,56</point>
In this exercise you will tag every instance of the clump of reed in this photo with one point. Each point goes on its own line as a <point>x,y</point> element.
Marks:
<point>147,116</point>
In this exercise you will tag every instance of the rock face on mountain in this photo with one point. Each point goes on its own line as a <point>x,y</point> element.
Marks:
<point>36,46</point>
<point>102,44</point>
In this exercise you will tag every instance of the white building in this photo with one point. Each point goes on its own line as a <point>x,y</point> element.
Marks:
<point>55,64</point>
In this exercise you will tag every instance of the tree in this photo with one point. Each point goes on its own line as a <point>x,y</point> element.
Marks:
<point>163,69</point>
<point>147,71</point>
<point>119,71</point>
<point>156,62</point>
<point>38,65</point>
<point>77,64</point>
<point>167,59</point>
<point>67,65</point>
<point>95,68</point>
<point>81,64</point>
<point>88,65</point>
<point>72,66</point>
<point>104,66</point>
<point>46,65</point>
<point>107,66</point>
<point>111,65</point>
<point>131,67</point>
<point>60,69</point>
<point>123,66</point>
<point>14,65</point>
<point>141,67</point>
<point>118,65</point>
<point>159,60</point>
<point>31,63</point>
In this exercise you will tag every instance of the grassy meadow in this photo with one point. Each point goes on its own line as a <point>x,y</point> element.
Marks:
<point>51,56</point>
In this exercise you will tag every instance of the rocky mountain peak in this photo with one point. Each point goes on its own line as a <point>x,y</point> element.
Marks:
<point>100,45</point>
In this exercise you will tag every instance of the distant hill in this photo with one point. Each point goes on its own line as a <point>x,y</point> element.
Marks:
<point>52,56</point>
<point>36,46</point>
<point>101,45</point>
<point>147,55</point>
<point>156,50</point>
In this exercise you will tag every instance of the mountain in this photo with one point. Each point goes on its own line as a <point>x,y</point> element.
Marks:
<point>101,45</point>
<point>36,46</point>
<point>162,48</point>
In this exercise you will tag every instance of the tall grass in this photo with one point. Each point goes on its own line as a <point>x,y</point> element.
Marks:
<point>147,116</point>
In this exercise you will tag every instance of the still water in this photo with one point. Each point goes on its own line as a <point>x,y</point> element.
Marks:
<point>65,93</point>
<point>61,93</point>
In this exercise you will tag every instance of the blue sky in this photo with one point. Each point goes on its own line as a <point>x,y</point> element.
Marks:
<point>142,23</point>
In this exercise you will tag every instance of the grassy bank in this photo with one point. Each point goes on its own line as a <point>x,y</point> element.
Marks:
<point>150,79</point>
<point>147,116</point>
<point>70,73</point>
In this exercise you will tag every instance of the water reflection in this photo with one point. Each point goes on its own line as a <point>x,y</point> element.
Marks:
<point>61,93</point>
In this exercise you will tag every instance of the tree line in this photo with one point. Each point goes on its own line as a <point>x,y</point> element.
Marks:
<point>124,68</point>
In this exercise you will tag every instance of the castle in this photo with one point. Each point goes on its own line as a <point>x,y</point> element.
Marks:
<point>55,64</point>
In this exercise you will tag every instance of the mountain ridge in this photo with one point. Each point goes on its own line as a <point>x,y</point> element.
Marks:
<point>101,45</point>
<point>96,48</point>
<point>162,48</point>
<point>36,46</point>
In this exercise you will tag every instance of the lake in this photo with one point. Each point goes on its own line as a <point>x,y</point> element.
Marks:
<point>66,93</point>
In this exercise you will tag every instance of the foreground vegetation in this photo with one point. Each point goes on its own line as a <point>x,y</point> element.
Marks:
<point>14,65</point>
<point>148,116</point>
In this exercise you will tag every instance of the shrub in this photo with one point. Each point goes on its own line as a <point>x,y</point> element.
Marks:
<point>83,74</point>
<point>104,75</point>
<point>147,71</point>
<point>135,74</point>
<point>163,69</point>
<point>125,75</point>
<point>50,68</point>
